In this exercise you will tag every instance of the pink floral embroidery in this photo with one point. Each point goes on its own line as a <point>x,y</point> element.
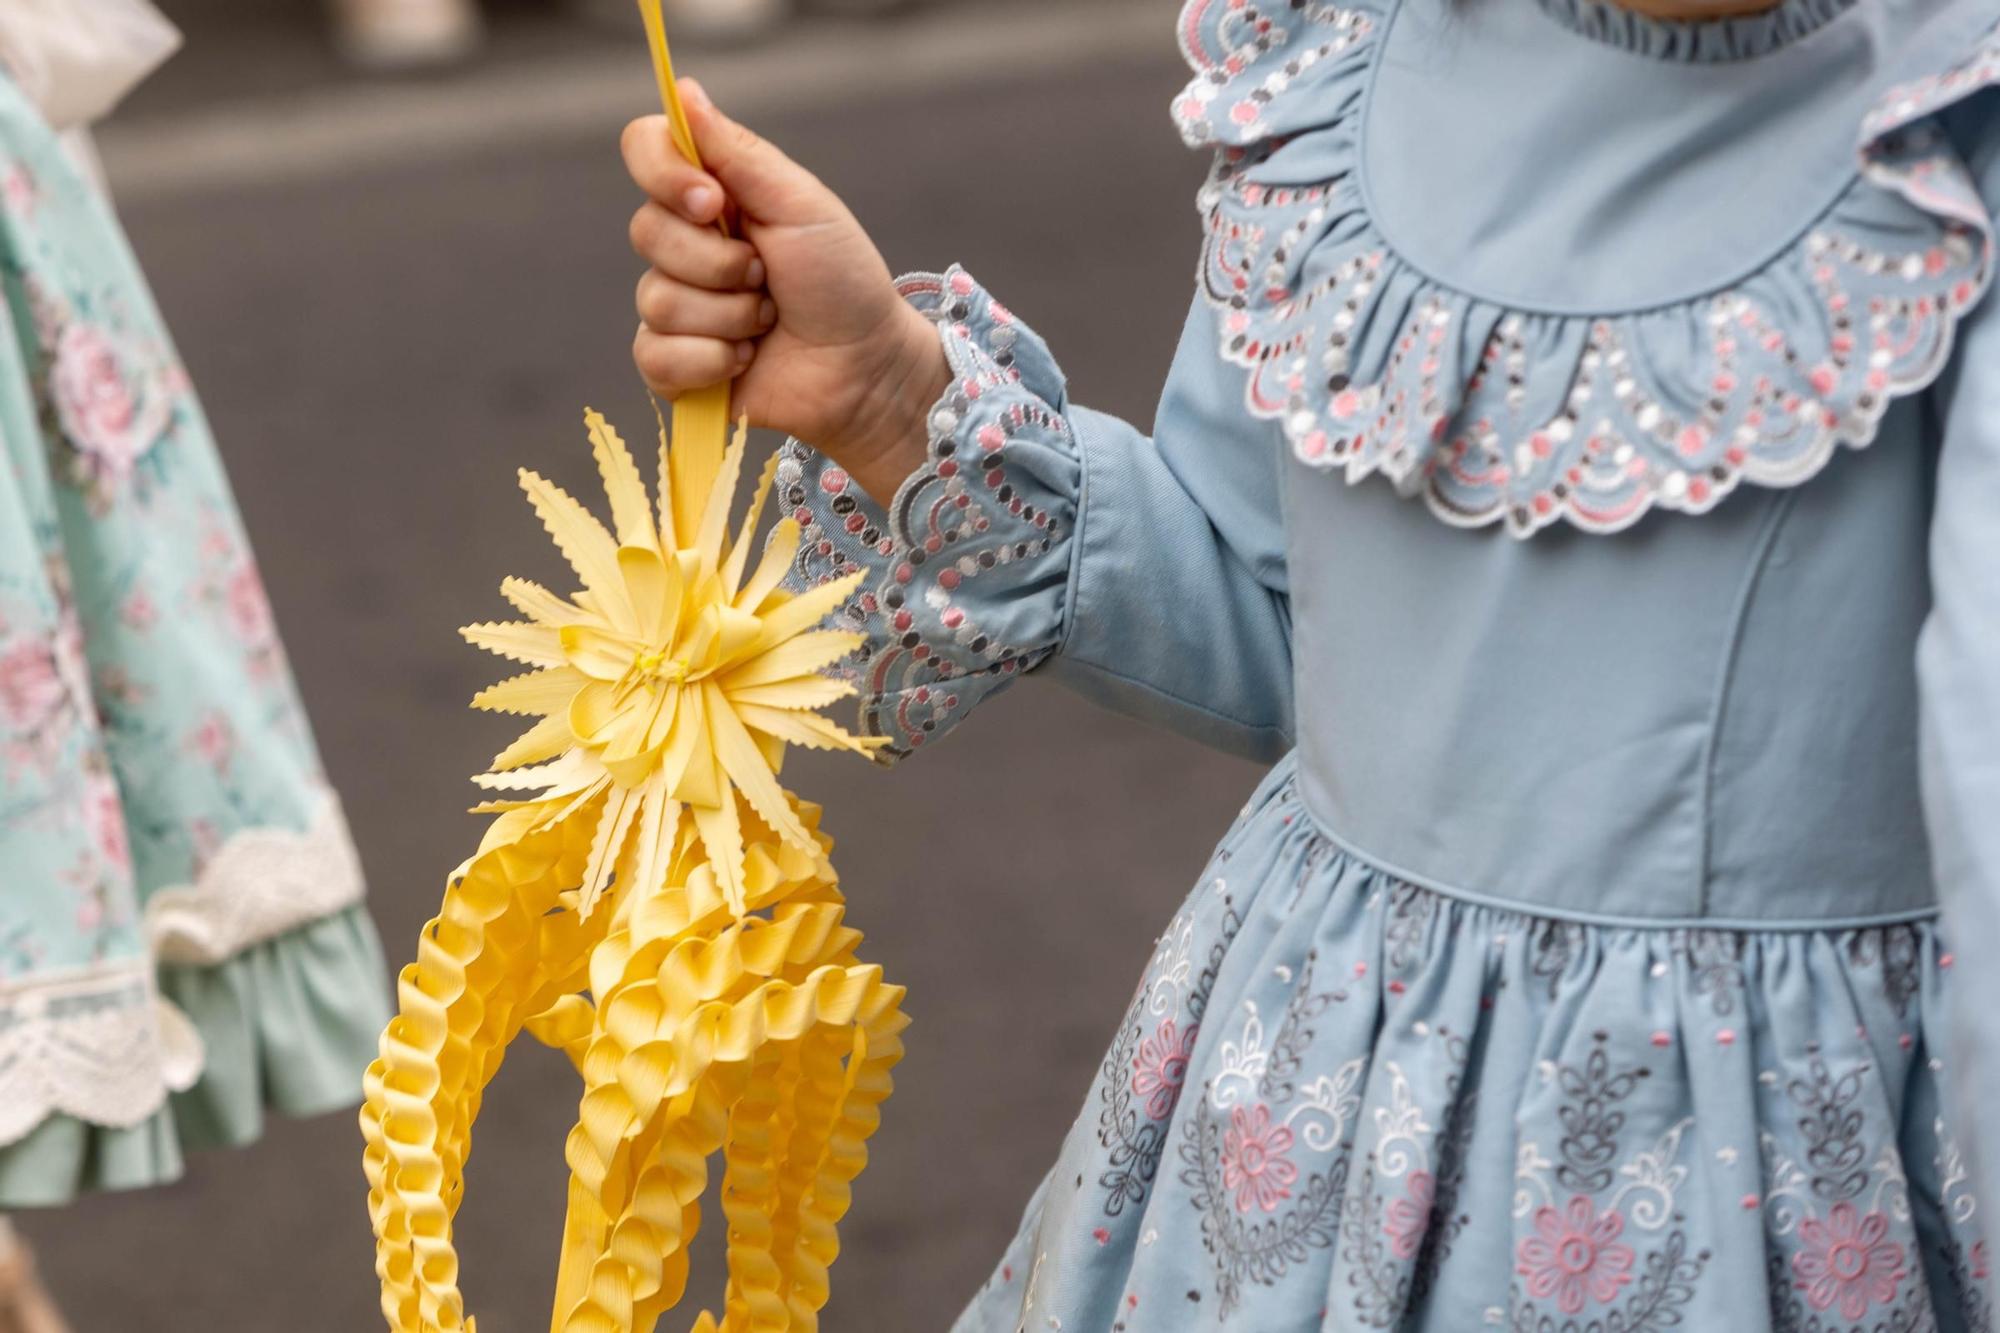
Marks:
<point>100,412</point>
<point>1848,1261</point>
<point>1161,1066</point>
<point>1296,271</point>
<point>1409,1216</point>
<point>1575,1255</point>
<point>1254,1163</point>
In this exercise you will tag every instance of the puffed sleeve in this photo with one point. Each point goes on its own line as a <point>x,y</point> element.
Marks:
<point>77,61</point>
<point>1958,674</point>
<point>1146,572</point>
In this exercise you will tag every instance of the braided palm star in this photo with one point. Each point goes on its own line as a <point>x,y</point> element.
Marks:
<point>672,681</point>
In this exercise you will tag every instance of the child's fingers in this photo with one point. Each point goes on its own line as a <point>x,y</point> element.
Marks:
<point>700,256</point>
<point>673,364</point>
<point>761,180</point>
<point>668,306</point>
<point>658,168</point>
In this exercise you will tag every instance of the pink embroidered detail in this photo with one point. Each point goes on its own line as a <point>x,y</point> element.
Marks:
<point>1529,418</point>
<point>1848,1261</point>
<point>1255,1163</point>
<point>1575,1255</point>
<point>1160,1067</point>
<point>1408,1217</point>
<point>1214,107</point>
<point>972,512</point>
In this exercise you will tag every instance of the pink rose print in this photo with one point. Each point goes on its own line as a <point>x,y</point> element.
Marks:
<point>18,192</point>
<point>249,610</point>
<point>1253,1159</point>
<point>206,840</point>
<point>1575,1255</point>
<point>139,612</point>
<point>1161,1066</point>
<point>1409,1217</point>
<point>31,689</point>
<point>105,814</point>
<point>214,740</point>
<point>97,407</point>
<point>1848,1261</point>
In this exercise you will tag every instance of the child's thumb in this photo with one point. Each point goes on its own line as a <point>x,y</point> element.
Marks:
<point>765,184</point>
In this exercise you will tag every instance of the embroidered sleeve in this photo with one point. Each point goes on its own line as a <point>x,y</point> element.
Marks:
<point>970,566</point>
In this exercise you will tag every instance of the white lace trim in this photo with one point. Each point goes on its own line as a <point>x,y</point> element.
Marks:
<point>100,1043</point>
<point>263,883</point>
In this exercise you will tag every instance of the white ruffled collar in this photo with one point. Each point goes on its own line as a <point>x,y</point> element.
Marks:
<point>1498,414</point>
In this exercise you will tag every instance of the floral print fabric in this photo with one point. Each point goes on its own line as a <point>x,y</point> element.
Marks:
<point>147,715</point>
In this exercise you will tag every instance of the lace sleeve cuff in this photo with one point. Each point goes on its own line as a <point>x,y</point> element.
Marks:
<point>969,570</point>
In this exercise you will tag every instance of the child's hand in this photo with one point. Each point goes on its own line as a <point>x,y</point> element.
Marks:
<point>802,309</point>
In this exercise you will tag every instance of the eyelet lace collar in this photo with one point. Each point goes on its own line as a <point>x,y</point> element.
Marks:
<point>1531,418</point>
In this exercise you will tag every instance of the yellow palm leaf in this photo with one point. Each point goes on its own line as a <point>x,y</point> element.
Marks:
<point>780,549</point>
<point>537,692</point>
<point>749,770</point>
<point>701,434</point>
<point>545,740</point>
<point>714,531</point>
<point>537,603</point>
<point>807,692</point>
<point>631,511</point>
<point>739,553</point>
<point>802,656</point>
<point>583,542</point>
<point>535,645</point>
<point>806,729</point>
<point>807,609</point>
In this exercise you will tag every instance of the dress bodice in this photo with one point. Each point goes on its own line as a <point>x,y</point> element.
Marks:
<point>1708,718</point>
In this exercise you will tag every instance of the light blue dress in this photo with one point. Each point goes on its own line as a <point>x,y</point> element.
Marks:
<point>183,942</point>
<point>1581,476</point>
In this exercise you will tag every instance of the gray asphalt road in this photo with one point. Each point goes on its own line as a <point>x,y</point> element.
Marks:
<point>379,349</point>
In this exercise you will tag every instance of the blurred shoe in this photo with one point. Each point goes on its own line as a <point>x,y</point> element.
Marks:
<point>725,20</point>
<point>405,34</point>
<point>25,1306</point>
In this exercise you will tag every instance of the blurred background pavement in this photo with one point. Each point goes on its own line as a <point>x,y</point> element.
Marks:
<point>392,293</point>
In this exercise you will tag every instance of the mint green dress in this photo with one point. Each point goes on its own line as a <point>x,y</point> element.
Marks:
<point>182,940</point>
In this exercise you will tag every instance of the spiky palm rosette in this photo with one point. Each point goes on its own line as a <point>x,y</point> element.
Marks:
<point>650,900</point>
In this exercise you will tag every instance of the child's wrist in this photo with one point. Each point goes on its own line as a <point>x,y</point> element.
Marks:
<point>894,439</point>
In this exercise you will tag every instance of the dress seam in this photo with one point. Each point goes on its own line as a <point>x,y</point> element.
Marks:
<point>1605,920</point>
<point>1760,559</point>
